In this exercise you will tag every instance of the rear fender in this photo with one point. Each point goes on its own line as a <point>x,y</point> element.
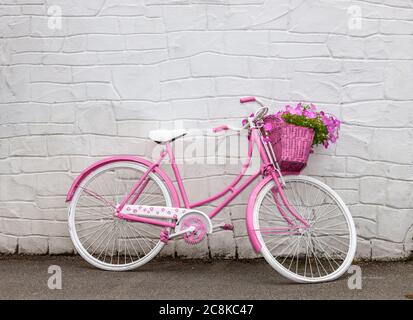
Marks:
<point>142,161</point>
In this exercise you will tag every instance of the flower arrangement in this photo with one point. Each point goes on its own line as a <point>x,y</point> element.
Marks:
<point>326,127</point>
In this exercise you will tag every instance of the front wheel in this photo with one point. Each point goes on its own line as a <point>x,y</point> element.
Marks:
<point>324,250</point>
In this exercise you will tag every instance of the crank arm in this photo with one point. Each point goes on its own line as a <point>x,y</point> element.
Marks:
<point>177,234</point>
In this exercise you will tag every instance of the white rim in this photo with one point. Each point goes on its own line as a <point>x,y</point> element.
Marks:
<point>278,266</point>
<point>72,226</point>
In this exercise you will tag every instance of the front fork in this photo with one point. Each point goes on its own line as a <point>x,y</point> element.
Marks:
<point>279,192</point>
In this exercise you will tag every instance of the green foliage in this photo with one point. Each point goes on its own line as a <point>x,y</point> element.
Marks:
<point>317,124</point>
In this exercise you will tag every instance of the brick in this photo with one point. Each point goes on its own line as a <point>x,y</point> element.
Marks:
<point>355,141</point>
<point>393,224</point>
<point>50,228</point>
<point>145,42</point>
<point>67,145</point>
<point>79,163</point>
<point>366,229</point>
<point>392,145</point>
<point>59,245</point>
<point>139,129</point>
<point>8,244</point>
<point>268,15</point>
<point>125,8</point>
<point>91,74</point>
<point>325,165</point>
<point>80,8</point>
<point>51,202</point>
<point>178,18</point>
<point>13,130</point>
<point>142,110</point>
<point>244,249</point>
<point>184,44</point>
<point>398,77</point>
<point>299,50</point>
<point>16,226</point>
<point>33,245</point>
<point>330,17</point>
<point>22,113</point>
<point>97,118</point>
<point>14,84</point>
<point>62,113</point>
<point>137,82</point>
<point>218,65</point>
<point>145,24</point>
<point>15,26</point>
<point>20,209</point>
<point>188,88</point>
<point>246,43</point>
<point>222,245</point>
<point>386,114</point>
<point>105,43</point>
<point>10,165</point>
<point>17,187</point>
<point>362,92</point>
<point>384,250</point>
<point>52,93</point>
<point>29,165</point>
<point>61,74</point>
<point>346,47</point>
<point>75,44</point>
<point>100,145</point>
<point>174,69</point>
<point>363,249</point>
<point>322,88</point>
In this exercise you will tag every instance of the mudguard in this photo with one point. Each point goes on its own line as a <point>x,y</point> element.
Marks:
<point>250,214</point>
<point>142,161</point>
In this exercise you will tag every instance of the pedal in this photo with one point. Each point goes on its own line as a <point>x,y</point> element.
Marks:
<point>223,226</point>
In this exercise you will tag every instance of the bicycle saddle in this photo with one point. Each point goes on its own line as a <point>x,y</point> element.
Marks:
<point>164,136</point>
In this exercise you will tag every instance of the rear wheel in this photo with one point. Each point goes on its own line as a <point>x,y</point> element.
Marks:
<point>101,238</point>
<point>322,252</point>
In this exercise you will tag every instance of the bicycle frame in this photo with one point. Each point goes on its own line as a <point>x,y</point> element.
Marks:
<point>266,168</point>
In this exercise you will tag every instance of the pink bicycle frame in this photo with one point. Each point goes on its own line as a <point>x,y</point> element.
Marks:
<point>266,168</point>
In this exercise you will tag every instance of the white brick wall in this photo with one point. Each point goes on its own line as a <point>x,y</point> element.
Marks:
<point>118,68</point>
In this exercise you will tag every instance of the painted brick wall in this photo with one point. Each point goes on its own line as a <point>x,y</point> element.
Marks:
<point>96,81</point>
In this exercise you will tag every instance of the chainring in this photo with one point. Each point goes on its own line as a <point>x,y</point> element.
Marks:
<point>199,222</point>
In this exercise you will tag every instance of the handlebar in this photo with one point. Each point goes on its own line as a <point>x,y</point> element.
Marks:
<point>247,99</point>
<point>258,115</point>
<point>251,99</point>
<point>220,128</point>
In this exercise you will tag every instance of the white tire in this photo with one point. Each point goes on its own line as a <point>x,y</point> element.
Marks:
<point>127,237</point>
<point>291,242</point>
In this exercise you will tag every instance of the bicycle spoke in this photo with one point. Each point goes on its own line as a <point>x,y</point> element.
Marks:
<point>307,252</point>
<point>111,242</point>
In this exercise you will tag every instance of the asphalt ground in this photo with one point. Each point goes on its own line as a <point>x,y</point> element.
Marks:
<point>27,277</point>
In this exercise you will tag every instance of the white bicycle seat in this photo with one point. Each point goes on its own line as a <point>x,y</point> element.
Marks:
<point>164,136</point>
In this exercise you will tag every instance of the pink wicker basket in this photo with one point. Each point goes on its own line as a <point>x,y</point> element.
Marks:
<point>291,143</point>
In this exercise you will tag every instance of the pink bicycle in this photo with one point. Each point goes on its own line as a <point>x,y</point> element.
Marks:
<point>124,209</point>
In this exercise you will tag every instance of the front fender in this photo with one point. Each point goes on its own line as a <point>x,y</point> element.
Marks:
<point>256,244</point>
<point>94,166</point>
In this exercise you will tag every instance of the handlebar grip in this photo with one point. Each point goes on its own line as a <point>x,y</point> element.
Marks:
<point>220,128</point>
<point>247,99</point>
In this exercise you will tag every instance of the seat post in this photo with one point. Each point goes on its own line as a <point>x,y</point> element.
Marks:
<point>177,174</point>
